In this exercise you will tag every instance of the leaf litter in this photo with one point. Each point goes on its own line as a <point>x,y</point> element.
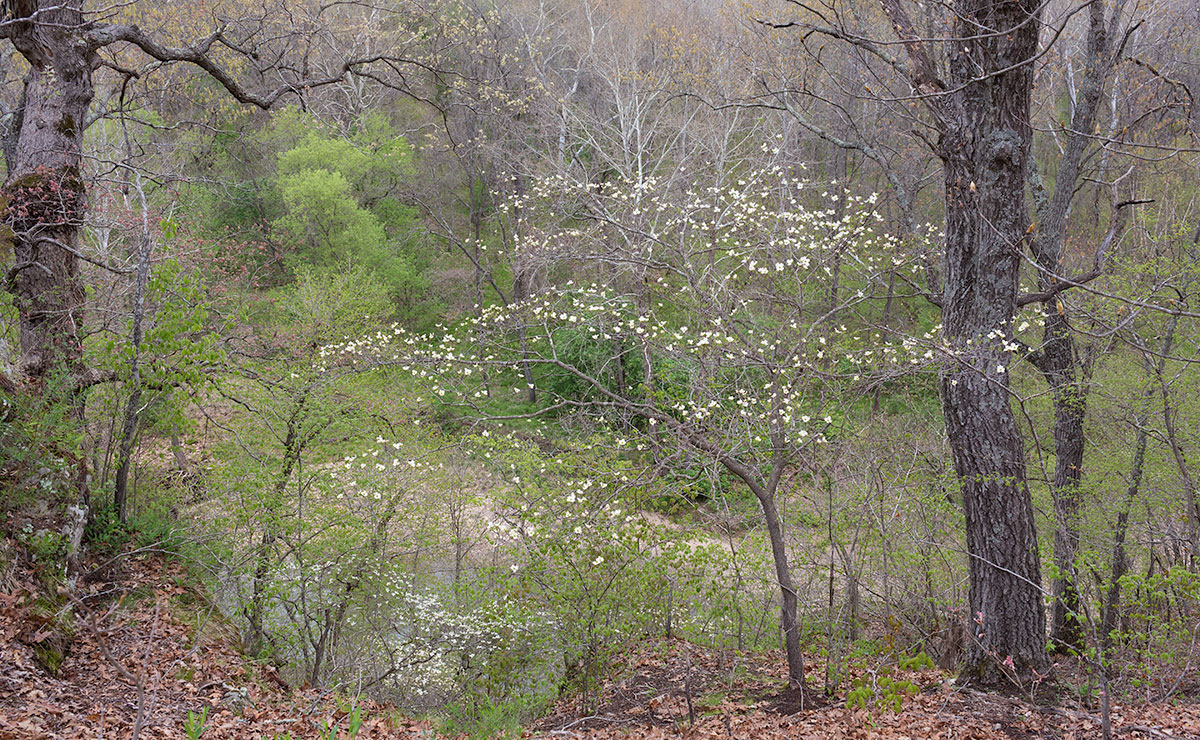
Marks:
<point>148,651</point>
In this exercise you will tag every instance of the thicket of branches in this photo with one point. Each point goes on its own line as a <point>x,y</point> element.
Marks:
<point>473,341</point>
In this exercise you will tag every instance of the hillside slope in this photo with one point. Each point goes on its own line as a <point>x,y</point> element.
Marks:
<point>148,649</point>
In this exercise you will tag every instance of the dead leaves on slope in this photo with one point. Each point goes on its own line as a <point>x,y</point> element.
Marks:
<point>135,630</point>
<point>648,701</point>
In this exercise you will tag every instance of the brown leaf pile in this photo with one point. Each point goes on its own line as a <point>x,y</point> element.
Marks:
<point>134,652</point>
<point>139,656</point>
<point>652,701</point>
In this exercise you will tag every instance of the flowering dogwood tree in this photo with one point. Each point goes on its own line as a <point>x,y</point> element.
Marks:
<point>720,333</point>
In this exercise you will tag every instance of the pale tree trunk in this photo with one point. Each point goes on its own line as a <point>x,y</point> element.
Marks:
<point>45,192</point>
<point>133,404</point>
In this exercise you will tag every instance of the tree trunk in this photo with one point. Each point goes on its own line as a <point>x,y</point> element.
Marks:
<point>783,575</point>
<point>1004,567</point>
<point>1109,614</point>
<point>522,289</point>
<point>133,405</point>
<point>45,193</point>
<point>1060,366</point>
<point>256,635</point>
<point>1120,563</point>
<point>1058,360</point>
<point>984,148</point>
<point>180,455</point>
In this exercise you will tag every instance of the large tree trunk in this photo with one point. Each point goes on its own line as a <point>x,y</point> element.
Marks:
<point>984,148</point>
<point>1004,565</point>
<point>45,192</point>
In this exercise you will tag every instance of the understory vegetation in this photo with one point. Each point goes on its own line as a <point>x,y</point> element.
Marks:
<point>571,327</point>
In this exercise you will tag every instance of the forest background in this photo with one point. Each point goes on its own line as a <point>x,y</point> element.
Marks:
<point>457,346</point>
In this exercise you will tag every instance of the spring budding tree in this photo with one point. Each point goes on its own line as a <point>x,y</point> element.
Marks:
<point>962,76</point>
<point>980,105</point>
<point>726,291</point>
<point>69,49</point>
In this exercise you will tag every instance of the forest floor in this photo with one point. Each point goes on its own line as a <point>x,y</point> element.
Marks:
<point>147,651</point>
<point>675,690</point>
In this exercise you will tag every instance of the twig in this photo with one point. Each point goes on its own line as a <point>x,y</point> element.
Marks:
<point>138,681</point>
<point>1145,729</point>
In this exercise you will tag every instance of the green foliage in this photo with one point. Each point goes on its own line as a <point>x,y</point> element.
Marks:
<point>180,345</point>
<point>336,206</point>
<point>581,550</point>
<point>1160,644</point>
<point>915,662</point>
<point>194,725</point>
<point>486,717</point>
<point>43,545</point>
<point>604,362</point>
<point>40,446</point>
<point>354,719</point>
<point>335,510</point>
<point>323,218</point>
<point>882,687</point>
<point>880,690</point>
<point>180,351</point>
<point>326,197</point>
<point>153,522</point>
<point>105,532</point>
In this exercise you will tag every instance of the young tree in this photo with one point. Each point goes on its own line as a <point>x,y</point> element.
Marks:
<point>294,401</point>
<point>751,363</point>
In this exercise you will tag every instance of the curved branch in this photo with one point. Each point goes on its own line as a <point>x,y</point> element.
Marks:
<point>198,55</point>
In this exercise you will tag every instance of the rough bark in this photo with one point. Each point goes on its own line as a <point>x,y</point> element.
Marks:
<point>983,117</point>
<point>45,191</point>
<point>43,145</point>
<point>1061,366</point>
